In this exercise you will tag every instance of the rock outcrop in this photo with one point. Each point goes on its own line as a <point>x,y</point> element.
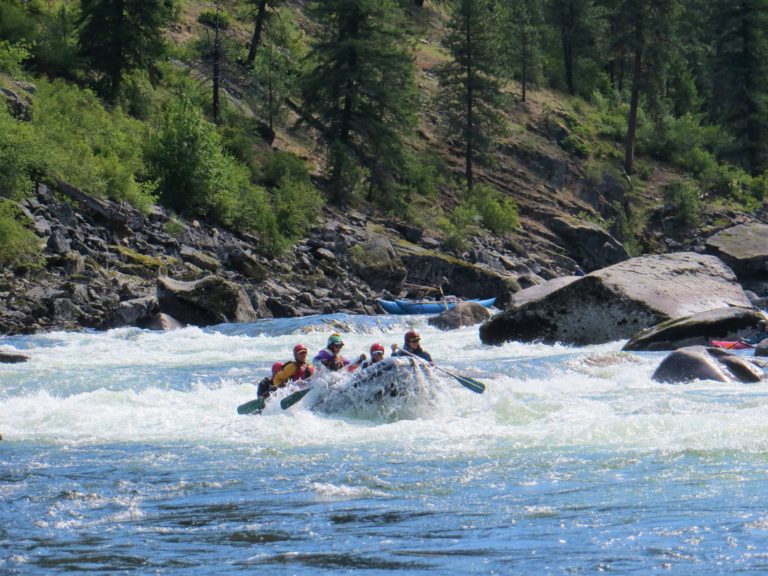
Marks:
<point>619,301</point>
<point>211,300</point>
<point>463,314</point>
<point>745,249</point>
<point>697,329</point>
<point>702,363</point>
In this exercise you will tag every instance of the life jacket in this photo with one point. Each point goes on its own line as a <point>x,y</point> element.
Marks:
<point>423,354</point>
<point>327,359</point>
<point>265,386</point>
<point>292,371</point>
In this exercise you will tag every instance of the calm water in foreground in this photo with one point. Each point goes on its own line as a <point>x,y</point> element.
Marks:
<point>123,453</point>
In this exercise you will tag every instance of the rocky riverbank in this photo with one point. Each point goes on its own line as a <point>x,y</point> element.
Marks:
<point>107,266</point>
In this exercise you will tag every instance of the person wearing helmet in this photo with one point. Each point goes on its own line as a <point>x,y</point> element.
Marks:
<point>411,347</point>
<point>331,357</point>
<point>377,355</point>
<point>265,386</point>
<point>294,370</point>
<point>758,336</point>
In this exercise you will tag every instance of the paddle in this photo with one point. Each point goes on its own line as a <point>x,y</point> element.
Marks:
<point>469,383</point>
<point>291,399</point>
<point>294,397</point>
<point>252,406</point>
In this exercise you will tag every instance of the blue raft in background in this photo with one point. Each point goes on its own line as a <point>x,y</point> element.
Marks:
<point>427,306</point>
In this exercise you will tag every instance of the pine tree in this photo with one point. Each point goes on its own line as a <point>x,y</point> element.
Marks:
<point>275,68</point>
<point>470,90</point>
<point>644,31</point>
<point>522,23</point>
<point>118,36</point>
<point>264,10</point>
<point>740,78</point>
<point>576,27</point>
<point>360,89</point>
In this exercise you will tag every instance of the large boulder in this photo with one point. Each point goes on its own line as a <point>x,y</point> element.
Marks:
<point>210,300</point>
<point>463,314</point>
<point>131,312</point>
<point>719,324</point>
<point>702,363</point>
<point>376,262</point>
<point>617,302</point>
<point>588,243</point>
<point>536,292</point>
<point>455,276</point>
<point>744,248</point>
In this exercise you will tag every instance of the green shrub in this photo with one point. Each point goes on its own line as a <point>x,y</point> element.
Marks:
<point>17,151</point>
<point>682,196</point>
<point>282,166</point>
<point>209,18</point>
<point>497,214</point>
<point>87,146</point>
<point>19,246</point>
<point>297,205</point>
<point>12,57</point>
<point>185,155</point>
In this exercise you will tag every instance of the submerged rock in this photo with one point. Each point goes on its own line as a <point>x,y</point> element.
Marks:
<point>463,314</point>
<point>719,324</point>
<point>702,363</point>
<point>8,358</point>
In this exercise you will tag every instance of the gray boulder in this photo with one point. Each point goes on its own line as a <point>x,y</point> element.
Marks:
<point>702,363</point>
<point>619,301</point>
<point>210,300</point>
<point>719,324</point>
<point>377,263</point>
<point>588,243</point>
<point>132,312</point>
<point>160,321</point>
<point>463,314</point>
<point>464,279</point>
<point>541,290</point>
<point>762,348</point>
<point>744,248</point>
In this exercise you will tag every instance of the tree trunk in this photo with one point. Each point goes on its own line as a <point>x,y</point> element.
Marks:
<point>261,15</point>
<point>469,175</point>
<point>566,36</point>
<point>629,153</point>
<point>524,70</point>
<point>216,71</point>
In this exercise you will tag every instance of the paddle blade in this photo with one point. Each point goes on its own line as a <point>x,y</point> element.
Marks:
<point>471,384</point>
<point>291,399</point>
<point>252,406</point>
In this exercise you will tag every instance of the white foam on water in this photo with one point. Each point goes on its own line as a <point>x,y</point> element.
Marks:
<point>132,385</point>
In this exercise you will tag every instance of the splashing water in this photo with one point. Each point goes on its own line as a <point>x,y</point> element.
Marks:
<point>122,451</point>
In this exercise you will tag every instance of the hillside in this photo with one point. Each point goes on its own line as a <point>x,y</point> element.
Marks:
<point>560,161</point>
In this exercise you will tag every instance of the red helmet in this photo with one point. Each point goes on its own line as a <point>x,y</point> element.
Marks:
<point>299,348</point>
<point>276,367</point>
<point>377,348</point>
<point>411,334</point>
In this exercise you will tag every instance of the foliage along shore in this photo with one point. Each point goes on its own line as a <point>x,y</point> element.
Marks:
<point>247,147</point>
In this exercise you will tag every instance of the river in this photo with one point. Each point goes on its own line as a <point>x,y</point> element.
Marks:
<point>122,452</point>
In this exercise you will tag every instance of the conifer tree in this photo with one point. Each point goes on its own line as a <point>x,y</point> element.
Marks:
<point>360,89</point>
<point>118,36</point>
<point>521,23</point>
<point>740,78</point>
<point>264,10</point>
<point>644,30</point>
<point>470,90</point>
<point>576,25</point>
